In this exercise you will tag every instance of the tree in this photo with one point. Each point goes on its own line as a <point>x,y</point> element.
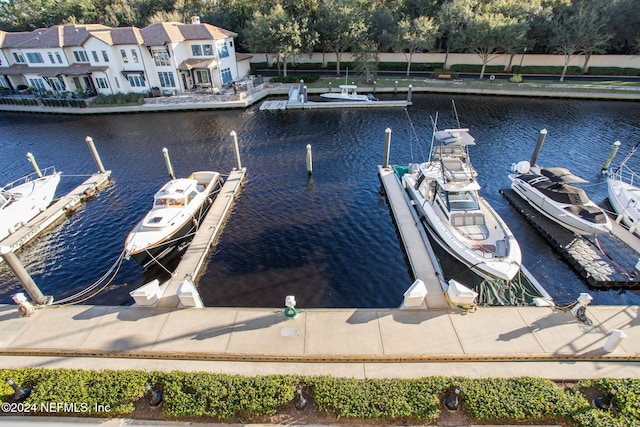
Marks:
<point>487,35</point>
<point>416,35</point>
<point>577,32</point>
<point>279,34</point>
<point>366,59</point>
<point>341,27</point>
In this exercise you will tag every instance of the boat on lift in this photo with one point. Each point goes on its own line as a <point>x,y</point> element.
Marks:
<point>550,192</point>
<point>23,199</point>
<point>624,194</point>
<point>444,192</point>
<point>348,93</point>
<point>168,228</point>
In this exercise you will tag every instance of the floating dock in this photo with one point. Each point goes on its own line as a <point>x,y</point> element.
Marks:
<point>603,262</point>
<point>55,211</point>
<point>418,250</point>
<point>194,258</point>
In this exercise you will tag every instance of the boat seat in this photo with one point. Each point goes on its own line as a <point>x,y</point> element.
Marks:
<point>465,219</point>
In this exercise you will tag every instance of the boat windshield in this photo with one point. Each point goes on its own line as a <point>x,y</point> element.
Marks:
<point>463,201</point>
<point>4,200</point>
<point>169,201</point>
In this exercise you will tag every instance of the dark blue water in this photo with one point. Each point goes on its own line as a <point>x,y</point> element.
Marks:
<point>329,239</point>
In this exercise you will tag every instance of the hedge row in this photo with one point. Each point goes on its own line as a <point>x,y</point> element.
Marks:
<point>120,98</point>
<point>189,395</point>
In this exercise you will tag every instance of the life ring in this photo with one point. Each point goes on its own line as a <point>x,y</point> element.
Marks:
<point>290,312</point>
<point>492,77</point>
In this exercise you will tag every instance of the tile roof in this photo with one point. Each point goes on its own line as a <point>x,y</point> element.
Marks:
<point>243,56</point>
<point>204,32</point>
<point>192,63</point>
<point>160,33</point>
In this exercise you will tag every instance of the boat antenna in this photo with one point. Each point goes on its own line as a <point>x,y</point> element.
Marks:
<point>415,134</point>
<point>434,124</point>
<point>455,111</point>
<point>633,150</point>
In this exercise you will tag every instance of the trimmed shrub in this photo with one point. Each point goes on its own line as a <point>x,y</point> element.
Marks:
<point>470,68</point>
<point>613,71</point>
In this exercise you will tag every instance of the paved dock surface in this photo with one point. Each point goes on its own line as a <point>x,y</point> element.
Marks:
<point>360,343</point>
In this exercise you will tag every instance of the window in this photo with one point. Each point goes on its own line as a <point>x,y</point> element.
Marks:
<point>136,80</point>
<point>35,58</point>
<point>76,83</point>
<point>51,58</point>
<point>4,82</point>
<point>101,82</point>
<point>196,50</point>
<point>117,82</point>
<point>134,55</point>
<point>166,79</point>
<point>105,56</point>
<point>38,84</point>
<point>124,56</point>
<point>57,84</point>
<point>208,49</point>
<point>160,57</point>
<point>226,75</point>
<point>80,55</point>
<point>223,51</point>
<point>59,58</point>
<point>95,56</point>
<point>18,57</point>
<point>202,76</point>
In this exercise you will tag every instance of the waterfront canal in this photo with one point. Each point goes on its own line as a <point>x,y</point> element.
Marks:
<point>328,239</point>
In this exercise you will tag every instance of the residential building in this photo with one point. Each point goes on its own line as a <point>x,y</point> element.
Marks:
<point>94,58</point>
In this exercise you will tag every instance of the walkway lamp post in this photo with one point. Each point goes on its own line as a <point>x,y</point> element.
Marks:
<point>521,59</point>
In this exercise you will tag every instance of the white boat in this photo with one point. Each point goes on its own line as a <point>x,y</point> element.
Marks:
<point>347,93</point>
<point>444,191</point>
<point>177,211</point>
<point>24,198</point>
<point>624,194</point>
<point>548,190</point>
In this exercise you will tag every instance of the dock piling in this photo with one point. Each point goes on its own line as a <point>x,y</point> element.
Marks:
<point>410,89</point>
<point>309,160</point>
<point>236,149</point>
<point>34,164</point>
<point>387,147</point>
<point>96,156</point>
<point>23,276</point>
<point>536,152</point>
<point>614,150</point>
<point>167,160</point>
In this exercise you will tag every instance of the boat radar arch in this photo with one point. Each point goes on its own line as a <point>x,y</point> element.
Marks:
<point>521,167</point>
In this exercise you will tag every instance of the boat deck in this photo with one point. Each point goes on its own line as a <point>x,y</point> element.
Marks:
<point>605,262</point>
<point>416,243</point>
<point>194,258</point>
<point>55,211</point>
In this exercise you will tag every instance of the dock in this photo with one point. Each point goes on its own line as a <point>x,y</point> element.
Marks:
<point>55,211</point>
<point>194,258</point>
<point>416,243</point>
<point>603,262</point>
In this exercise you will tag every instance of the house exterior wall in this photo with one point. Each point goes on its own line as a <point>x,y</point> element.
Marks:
<point>110,71</point>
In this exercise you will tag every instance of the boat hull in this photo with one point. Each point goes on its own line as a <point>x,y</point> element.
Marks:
<point>151,244</point>
<point>33,197</point>
<point>482,263</point>
<point>556,212</point>
<point>625,200</point>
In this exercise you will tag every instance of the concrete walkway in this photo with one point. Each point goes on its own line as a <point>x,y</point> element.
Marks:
<point>360,343</point>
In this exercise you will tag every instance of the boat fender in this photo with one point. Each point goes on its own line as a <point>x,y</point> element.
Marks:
<point>290,312</point>
<point>210,200</point>
<point>195,222</point>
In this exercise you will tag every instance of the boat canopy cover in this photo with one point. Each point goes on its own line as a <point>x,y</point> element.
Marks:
<point>459,137</point>
<point>561,175</point>
<point>557,191</point>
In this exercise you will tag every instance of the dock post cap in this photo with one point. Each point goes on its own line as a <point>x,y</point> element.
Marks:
<point>543,131</point>
<point>88,139</point>
<point>388,130</point>
<point>617,143</point>
<point>164,149</point>
<point>29,155</point>
<point>5,250</point>
<point>233,133</point>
